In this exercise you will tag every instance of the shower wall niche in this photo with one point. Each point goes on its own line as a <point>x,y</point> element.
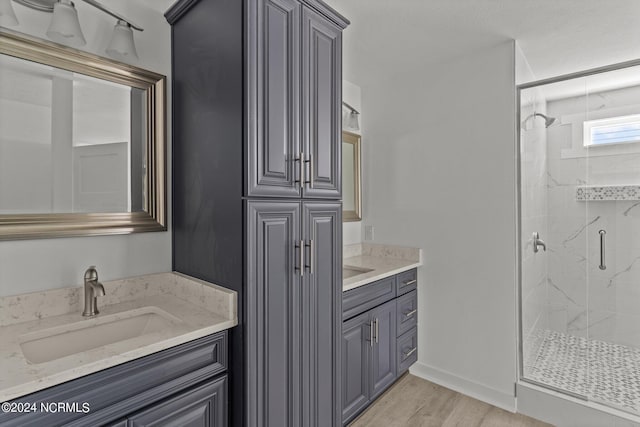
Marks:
<point>580,190</point>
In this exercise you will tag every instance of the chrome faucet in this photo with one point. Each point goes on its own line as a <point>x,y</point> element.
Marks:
<point>537,242</point>
<point>92,290</point>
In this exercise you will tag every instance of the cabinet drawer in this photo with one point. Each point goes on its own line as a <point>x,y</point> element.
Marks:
<point>365,297</point>
<point>407,281</point>
<point>407,312</point>
<point>407,350</point>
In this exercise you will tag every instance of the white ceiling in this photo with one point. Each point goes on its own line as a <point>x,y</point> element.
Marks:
<point>557,36</point>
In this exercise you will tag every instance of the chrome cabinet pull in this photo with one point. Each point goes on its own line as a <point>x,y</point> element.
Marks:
<point>310,180</point>
<point>371,333</point>
<point>603,264</point>
<point>409,282</point>
<point>410,352</point>
<point>311,256</point>
<point>537,242</point>
<point>300,161</point>
<point>411,313</point>
<point>376,323</point>
<point>301,248</point>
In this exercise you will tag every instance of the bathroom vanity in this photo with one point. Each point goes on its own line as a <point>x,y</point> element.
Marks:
<point>157,352</point>
<point>380,315</point>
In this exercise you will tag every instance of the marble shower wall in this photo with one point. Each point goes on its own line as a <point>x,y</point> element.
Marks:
<point>533,165</point>
<point>584,300</point>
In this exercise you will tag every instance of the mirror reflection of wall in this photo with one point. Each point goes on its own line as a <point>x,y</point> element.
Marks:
<point>69,143</point>
<point>351,177</point>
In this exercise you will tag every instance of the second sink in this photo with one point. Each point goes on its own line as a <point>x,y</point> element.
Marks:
<point>351,271</point>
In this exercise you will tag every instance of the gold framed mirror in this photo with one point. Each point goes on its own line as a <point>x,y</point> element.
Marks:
<point>351,177</point>
<point>82,143</point>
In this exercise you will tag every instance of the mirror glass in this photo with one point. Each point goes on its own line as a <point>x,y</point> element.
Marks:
<point>82,143</point>
<point>69,143</point>
<point>351,177</point>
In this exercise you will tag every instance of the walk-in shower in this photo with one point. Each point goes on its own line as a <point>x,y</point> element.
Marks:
<point>579,228</point>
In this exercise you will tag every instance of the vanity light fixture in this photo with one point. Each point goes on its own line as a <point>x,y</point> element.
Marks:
<point>65,25</point>
<point>352,119</point>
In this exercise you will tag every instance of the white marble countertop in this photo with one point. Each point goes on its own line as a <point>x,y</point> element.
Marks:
<point>382,260</point>
<point>197,308</point>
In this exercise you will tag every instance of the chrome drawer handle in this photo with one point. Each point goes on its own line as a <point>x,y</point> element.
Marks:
<point>371,333</point>
<point>377,330</point>
<point>411,313</point>
<point>409,282</point>
<point>410,352</point>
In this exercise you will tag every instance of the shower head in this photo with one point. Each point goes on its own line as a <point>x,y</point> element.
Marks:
<point>548,121</point>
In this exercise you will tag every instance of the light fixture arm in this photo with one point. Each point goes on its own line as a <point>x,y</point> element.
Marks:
<point>353,110</point>
<point>116,15</point>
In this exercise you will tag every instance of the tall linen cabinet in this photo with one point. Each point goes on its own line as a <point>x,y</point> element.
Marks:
<point>256,193</point>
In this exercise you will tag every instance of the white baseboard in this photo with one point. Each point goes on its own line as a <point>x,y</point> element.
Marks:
<point>477,391</point>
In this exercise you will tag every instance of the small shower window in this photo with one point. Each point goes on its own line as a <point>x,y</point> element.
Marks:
<point>616,130</point>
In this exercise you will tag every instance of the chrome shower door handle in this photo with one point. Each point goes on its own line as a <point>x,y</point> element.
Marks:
<point>537,242</point>
<point>603,264</point>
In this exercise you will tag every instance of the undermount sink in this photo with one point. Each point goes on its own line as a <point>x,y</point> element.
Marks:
<point>65,340</point>
<point>349,271</point>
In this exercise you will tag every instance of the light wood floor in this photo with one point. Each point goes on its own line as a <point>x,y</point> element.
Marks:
<point>413,402</point>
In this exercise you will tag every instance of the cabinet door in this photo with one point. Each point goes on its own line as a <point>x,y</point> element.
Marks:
<point>322,314</point>
<point>321,106</point>
<point>383,356</point>
<point>356,350</point>
<point>204,406</point>
<point>273,90</point>
<point>273,314</point>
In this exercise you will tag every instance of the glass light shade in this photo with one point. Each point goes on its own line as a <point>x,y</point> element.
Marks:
<point>65,26</point>
<point>7,14</point>
<point>122,46</point>
<point>352,121</point>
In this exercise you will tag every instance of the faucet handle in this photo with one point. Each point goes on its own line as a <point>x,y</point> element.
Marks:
<point>91,273</point>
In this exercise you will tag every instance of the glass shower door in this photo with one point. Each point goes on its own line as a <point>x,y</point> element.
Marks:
<point>580,193</point>
<point>611,194</point>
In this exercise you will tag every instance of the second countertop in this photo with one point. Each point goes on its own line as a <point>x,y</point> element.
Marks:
<point>371,262</point>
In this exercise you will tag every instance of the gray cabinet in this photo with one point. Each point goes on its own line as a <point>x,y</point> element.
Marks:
<point>180,386</point>
<point>383,351</point>
<point>274,151</point>
<point>257,172</point>
<point>294,146</point>
<point>321,105</point>
<point>356,348</point>
<point>379,339</point>
<point>322,313</point>
<point>274,310</point>
<point>203,406</point>
<point>294,265</point>
<point>369,352</point>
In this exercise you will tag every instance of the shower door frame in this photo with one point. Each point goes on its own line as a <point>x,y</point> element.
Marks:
<point>519,247</point>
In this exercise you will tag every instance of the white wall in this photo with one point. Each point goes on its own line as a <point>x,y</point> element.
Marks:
<point>351,94</point>
<point>27,266</point>
<point>440,175</point>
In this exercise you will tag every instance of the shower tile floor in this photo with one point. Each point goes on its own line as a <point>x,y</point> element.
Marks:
<point>603,372</point>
